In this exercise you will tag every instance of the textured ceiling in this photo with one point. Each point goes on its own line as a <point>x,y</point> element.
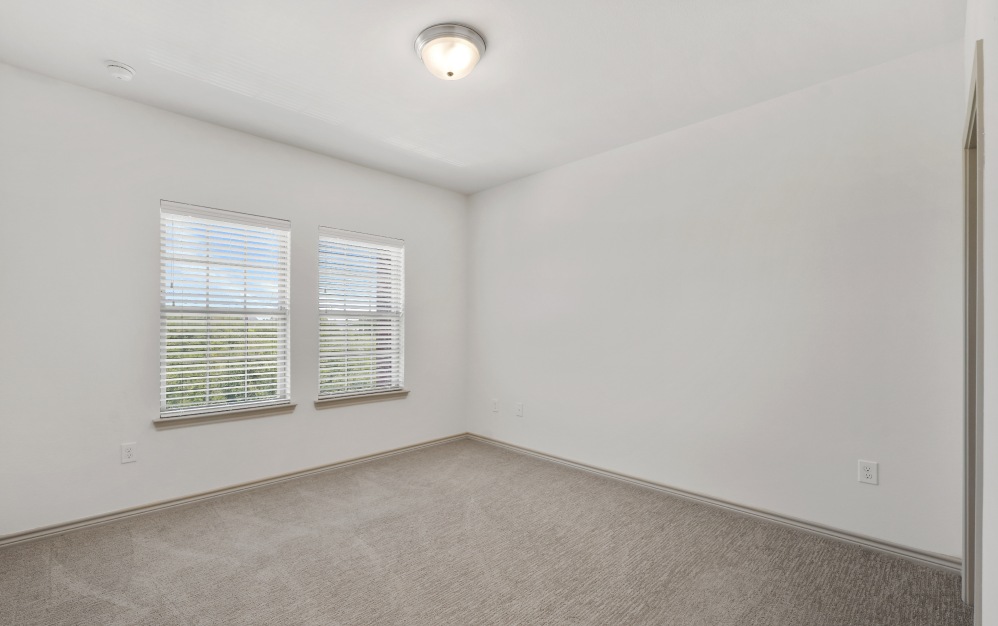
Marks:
<point>561,79</point>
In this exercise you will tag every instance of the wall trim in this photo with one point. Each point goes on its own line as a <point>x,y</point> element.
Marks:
<point>922,557</point>
<point>222,416</point>
<point>395,394</point>
<point>58,529</point>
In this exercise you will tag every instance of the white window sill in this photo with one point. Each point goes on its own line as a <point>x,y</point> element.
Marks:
<point>323,403</point>
<point>222,416</point>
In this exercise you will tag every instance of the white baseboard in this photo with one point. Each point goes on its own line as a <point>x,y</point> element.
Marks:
<point>56,529</point>
<point>923,557</point>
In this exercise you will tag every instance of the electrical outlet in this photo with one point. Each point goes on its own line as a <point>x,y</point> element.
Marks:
<point>869,472</point>
<point>519,409</point>
<point>495,405</point>
<point>128,451</point>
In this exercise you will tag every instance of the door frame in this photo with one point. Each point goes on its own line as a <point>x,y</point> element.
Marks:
<point>973,171</point>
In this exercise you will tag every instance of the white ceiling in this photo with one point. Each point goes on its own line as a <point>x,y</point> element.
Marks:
<point>560,80</point>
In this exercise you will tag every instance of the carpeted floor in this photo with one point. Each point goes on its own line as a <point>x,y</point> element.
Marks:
<point>461,533</point>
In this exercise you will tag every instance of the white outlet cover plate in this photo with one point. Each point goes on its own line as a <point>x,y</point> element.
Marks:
<point>519,409</point>
<point>869,472</point>
<point>128,452</point>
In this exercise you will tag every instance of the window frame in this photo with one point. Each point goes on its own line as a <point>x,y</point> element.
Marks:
<point>240,226</point>
<point>391,247</point>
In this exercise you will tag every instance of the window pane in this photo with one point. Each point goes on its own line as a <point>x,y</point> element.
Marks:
<point>223,312</point>
<point>361,302</point>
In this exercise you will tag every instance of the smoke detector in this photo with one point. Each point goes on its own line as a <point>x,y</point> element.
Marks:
<point>119,71</point>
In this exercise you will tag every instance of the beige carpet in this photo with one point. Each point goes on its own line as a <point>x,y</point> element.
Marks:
<point>462,533</point>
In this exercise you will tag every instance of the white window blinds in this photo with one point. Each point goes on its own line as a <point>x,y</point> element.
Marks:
<point>361,313</point>
<point>224,310</point>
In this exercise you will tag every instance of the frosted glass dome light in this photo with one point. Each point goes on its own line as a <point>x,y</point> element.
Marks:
<point>450,51</point>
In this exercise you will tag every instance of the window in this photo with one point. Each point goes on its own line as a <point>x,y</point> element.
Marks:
<point>224,304</point>
<point>361,313</point>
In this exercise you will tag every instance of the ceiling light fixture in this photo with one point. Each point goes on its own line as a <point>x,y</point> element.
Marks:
<point>119,71</point>
<point>450,51</point>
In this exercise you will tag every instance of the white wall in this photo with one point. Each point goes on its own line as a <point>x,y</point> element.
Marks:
<point>747,306</point>
<point>81,176</point>
<point>743,308</point>
<point>982,23</point>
